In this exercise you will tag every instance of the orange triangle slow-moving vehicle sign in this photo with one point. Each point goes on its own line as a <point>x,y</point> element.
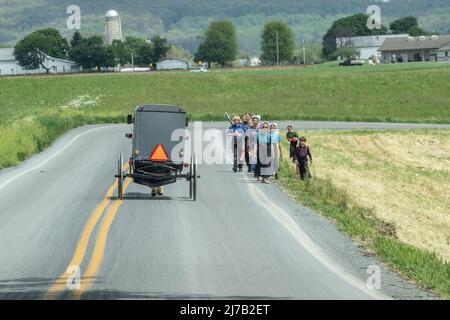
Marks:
<point>159,154</point>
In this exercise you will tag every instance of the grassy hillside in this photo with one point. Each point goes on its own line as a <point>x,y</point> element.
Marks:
<point>183,20</point>
<point>35,110</point>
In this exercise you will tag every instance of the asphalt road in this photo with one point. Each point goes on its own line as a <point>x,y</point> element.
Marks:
<point>240,239</point>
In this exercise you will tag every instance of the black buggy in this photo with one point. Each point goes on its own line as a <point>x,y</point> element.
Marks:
<point>156,160</point>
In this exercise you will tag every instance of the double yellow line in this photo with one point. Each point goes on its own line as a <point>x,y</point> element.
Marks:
<point>97,255</point>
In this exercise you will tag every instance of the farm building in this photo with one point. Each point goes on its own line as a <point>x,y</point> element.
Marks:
<point>113,27</point>
<point>411,49</point>
<point>172,64</point>
<point>10,67</point>
<point>367,46</point>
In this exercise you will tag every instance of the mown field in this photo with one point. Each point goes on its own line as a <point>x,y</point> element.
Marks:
<point>35,110</point>
<point>389,190</point>
<point>402,93</point>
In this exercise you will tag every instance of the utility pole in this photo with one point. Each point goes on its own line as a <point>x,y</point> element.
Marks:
<point>132,60</point>
<point>278,49</point>
<point>304,54</point>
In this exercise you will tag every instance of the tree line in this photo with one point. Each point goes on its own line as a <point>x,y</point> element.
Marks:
<point>89,52</point>
<point>217,45</point>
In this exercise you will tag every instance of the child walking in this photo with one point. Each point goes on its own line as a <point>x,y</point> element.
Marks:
<point>292,137</point>
<point>302,153</point>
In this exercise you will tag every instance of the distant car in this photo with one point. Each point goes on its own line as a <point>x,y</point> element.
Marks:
<point>351,63</point>
<point>199,69</point>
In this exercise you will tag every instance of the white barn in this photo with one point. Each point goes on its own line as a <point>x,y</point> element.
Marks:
<point>10,67</point>
<point>367,46</point>
<point>172,64</point>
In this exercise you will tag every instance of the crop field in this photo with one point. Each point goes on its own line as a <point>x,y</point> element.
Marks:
<point>389,190</point>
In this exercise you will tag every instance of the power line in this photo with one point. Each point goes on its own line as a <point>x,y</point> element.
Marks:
<point>304,54</point>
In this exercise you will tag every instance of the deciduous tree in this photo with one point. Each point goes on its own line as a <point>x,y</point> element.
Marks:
<point>219,44</point>
<point>91,53</point>
<point>277,42</point>
<point>407,25</point>
<point>32,51</point>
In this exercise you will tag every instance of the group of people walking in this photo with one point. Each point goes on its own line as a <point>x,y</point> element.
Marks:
<point>257,145</point>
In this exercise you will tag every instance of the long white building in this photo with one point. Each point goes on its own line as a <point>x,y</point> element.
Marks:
<point>172,64</point>
<point>416,49</point>
<point>10,67</point>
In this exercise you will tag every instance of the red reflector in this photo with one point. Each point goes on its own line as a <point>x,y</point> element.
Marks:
<point>159,154</point>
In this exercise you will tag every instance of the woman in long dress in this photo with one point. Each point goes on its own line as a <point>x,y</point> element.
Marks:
<point>264,169</point>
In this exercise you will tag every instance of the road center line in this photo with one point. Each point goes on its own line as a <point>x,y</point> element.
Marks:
<point>80,251</point>
<point>97,255</point>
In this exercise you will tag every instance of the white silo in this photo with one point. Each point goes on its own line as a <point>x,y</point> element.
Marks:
<point>113,28</point>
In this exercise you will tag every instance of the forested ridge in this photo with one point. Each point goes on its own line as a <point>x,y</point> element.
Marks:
<point>182,21</point>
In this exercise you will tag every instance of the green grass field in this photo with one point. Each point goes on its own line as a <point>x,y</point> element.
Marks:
<point>403,93</point>
<point>35,110</point>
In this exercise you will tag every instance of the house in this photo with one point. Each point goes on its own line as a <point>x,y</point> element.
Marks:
<point>366,46</point>
<point>10,67</point>
<point>410,49</point>
<point>172,64</point>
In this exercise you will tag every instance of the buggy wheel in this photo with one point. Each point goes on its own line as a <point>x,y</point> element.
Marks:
<point>120,177</point>
<point>191,182</point>
<point>194,182</point>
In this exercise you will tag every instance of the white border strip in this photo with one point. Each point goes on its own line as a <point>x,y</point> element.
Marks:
<point>284,219</point>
